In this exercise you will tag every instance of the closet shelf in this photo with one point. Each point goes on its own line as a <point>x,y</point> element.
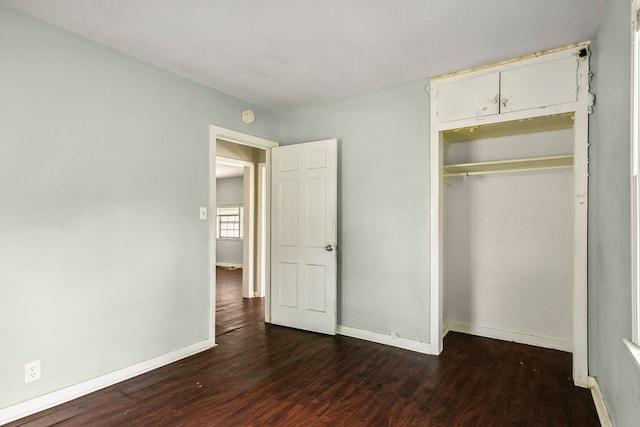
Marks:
<point>502,166</point>
<point>514,127</point>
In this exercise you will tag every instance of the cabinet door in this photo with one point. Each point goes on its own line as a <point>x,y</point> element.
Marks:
<point>539,85</point>
<point>468,98</point>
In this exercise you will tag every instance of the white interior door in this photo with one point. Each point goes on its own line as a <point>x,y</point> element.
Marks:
<point>304,236</point>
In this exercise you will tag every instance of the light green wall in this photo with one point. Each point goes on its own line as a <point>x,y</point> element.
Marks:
<point>103,165</point>
<point>609,219</point>
<point>383,205</point>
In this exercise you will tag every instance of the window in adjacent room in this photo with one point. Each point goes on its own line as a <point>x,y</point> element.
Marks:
<point>229,222</point>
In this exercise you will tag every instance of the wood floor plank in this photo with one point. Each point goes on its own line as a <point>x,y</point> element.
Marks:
<point>265,375</point>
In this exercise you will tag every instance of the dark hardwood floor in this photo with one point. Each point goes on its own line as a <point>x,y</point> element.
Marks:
<point>264,375</point>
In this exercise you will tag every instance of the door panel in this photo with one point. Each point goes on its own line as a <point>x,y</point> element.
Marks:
<point>316,210</point>
<point>473,97</point>
<point>304,234</point>
<point>539,85</point>
<point>316,277</point>
<point>288,205</point>
<point>288,285</point>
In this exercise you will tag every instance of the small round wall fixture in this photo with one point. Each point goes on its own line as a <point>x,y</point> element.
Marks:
<point>248,116</point>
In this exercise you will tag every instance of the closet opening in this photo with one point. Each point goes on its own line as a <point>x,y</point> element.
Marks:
<point>508,214</point>
<point>508,231</point>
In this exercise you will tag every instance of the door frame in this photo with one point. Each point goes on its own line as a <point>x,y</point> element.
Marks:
<point>262,224</point>
<point>215,133</point>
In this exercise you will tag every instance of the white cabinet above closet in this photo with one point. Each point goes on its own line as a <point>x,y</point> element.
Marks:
<point>539,85</point>
<point>536,83</point>
<point>533,94</point>
<point>472,97</point>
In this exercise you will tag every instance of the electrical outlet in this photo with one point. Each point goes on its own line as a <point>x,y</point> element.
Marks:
<point>32,371</point>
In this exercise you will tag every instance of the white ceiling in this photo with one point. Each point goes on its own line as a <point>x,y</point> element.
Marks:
<point>225,170</point>
<point>283,54</point>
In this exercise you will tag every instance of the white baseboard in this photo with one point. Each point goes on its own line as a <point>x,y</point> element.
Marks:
<point>394,341</point>
<point>447,329</point>
<point>598,400</point>
<point>518,337</point>
<point>228,265</point>
<point>49,400</point>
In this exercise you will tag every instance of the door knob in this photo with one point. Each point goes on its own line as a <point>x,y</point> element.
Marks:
<point>329,248</point>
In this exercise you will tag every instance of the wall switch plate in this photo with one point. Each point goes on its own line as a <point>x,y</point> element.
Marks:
<point>32,372</point>
<point>203,213</point>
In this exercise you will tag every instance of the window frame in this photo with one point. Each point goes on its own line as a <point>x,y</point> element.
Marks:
<point>219,217</point>
<point>635,171</point>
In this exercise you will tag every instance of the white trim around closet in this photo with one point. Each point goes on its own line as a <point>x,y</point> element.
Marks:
<point>580,110</point>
